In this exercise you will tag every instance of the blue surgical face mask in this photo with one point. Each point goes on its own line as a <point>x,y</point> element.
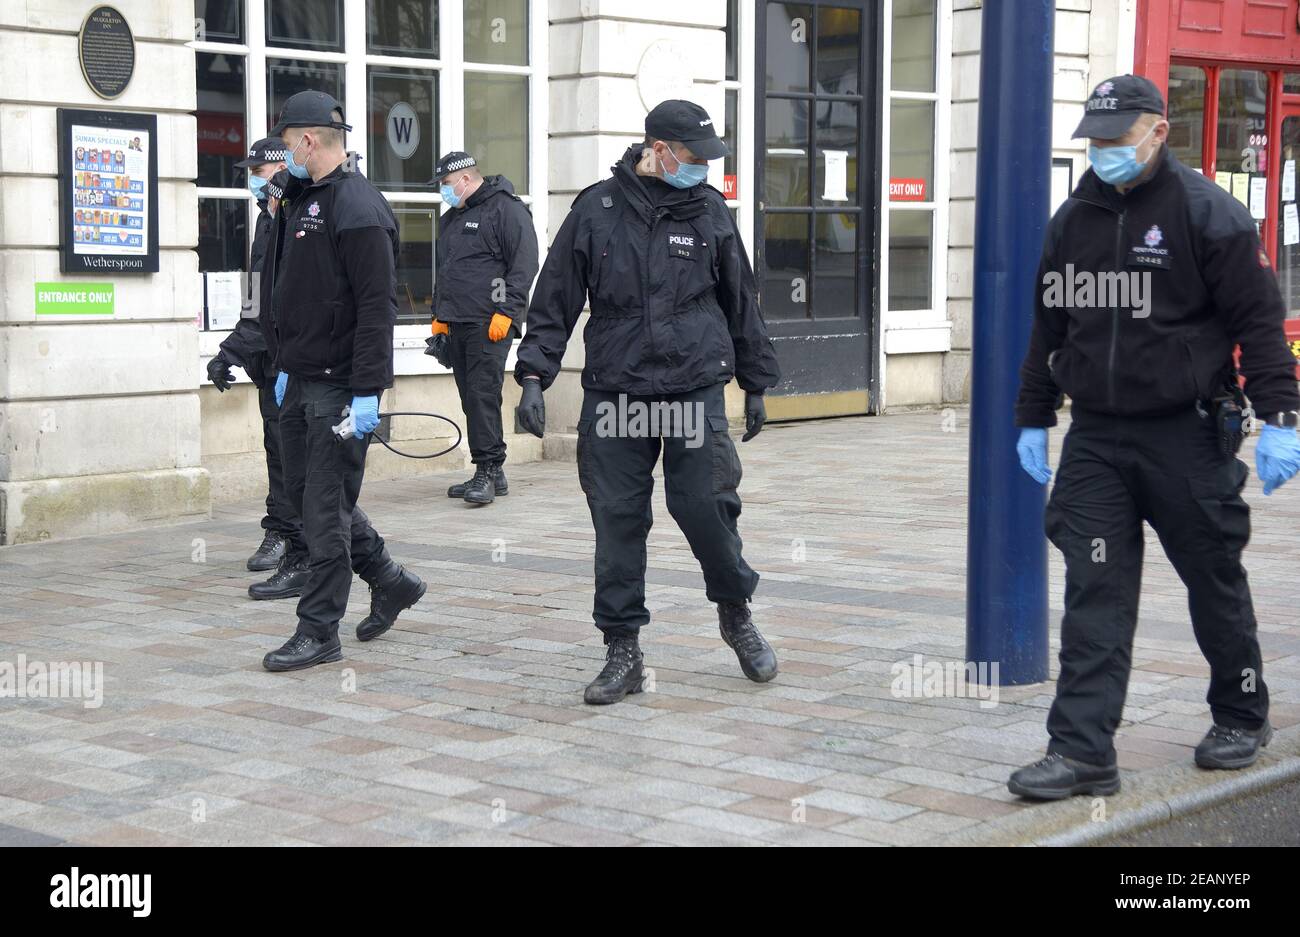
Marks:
<point>687,174</point>
<point>296,169</point>
<point>449,195</point>
<point>256,185</point>
<point>1118,164</point>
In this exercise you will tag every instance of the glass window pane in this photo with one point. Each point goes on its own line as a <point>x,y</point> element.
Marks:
<point>911,151</point>
<point>786,157</point>
<point>837,149</point>
<point>223,137</point>
<point>912,61</point>
<point>305,24</point>
<point>733,38</point>
<point>496,31</point>
<point>286,77</point>
<point>1291,83</point>
<point>1243,126</point>
<point>219,20</point>
<point>402,27</point>
<point>223,231</point>
<point>417,229</point>
<point>496,125</point>
<point>1186,113</point>
<point>839,48</point>
<point>910,237</point>
<point>403,127</point>
<point>731,137</point>
<point>1288,255</point>
<point>789,32</point>
<point>785,266</point>
<point>836,291</point>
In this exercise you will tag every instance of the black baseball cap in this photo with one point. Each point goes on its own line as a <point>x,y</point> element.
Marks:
<point>1116,103</point>
<point>454,161</point>
<point>310,109</point>
<point>265,150</point>
<point>685,122</point>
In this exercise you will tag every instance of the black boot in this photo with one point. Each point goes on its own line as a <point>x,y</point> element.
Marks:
<point>285,583</point>
<point>1226,747</point>
<point>488,482</point>
<point>268,555</point>
<point>757,659</point>
<point>499,484</point>
<point>1057,777</point>
<point>387,601</point>
<point>623,673</point>
<point>302,650</point>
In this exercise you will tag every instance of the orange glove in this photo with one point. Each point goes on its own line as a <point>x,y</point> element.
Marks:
<point>499,328</point>
<point>440,328</point>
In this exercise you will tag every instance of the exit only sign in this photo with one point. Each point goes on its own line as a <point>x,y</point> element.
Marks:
<point>907,190</point>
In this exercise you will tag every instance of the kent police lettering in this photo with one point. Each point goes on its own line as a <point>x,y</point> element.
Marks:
<point>311,220</point>
<point>1149,253</point>
<point>471,226</point>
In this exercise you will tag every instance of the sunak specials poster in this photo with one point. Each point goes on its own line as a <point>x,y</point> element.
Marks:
<point>109,192</point>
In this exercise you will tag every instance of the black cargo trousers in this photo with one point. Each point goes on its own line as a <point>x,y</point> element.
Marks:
<point>479,366</point>
<point>1170,472</point>
<point>323,476</point>
<point>701,473</point>
<point>280,515</point>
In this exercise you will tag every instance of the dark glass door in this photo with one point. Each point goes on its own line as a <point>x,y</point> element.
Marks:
<point>816,224</point>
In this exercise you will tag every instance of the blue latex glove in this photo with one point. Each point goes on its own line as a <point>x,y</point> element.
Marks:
<point>281,383</point>
<point>1277,457</point>
<point>1032,449</point>
<point>365,414</point>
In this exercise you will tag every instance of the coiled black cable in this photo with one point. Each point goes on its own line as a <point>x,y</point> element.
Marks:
<point>435,416</point>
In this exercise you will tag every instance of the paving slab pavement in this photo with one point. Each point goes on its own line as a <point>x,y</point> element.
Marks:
<point>465,723</point>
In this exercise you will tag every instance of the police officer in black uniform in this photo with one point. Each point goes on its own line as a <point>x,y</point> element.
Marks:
<point>330,282</point>
<point>1155,413</point>
<point>487,259</point>
<point>674,316</point>
<point>246,347</point>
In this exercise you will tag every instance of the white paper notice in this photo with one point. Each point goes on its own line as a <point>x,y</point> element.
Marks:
<point>1258,197</point>
<point>224,300</point>
<point>1290,224</point>
<point>837,175</point>
<point>1288,181</point>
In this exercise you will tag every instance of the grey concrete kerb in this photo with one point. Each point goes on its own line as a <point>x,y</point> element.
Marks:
<point>1147,799</point>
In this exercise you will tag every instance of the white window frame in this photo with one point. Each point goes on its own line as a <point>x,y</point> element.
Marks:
<point>911,331</point>
<point>451,67</point>
<point>744,84</point>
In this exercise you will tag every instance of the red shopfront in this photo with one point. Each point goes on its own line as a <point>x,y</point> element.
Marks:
<point>1230,70</point>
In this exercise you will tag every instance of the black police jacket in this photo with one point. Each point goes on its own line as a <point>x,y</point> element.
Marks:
<point>330,282</point>
<point>674,305</point>
<point>247,344</point>
<point>487,256</point>
<point>1210,287</point>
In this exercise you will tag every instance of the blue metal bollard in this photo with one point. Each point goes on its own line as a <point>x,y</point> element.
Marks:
<point>1006,550</point>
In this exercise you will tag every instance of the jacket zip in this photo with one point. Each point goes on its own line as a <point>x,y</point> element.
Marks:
<point>1114,321</point>
<point>659,214</point>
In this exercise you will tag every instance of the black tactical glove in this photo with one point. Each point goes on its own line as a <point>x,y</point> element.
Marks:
<point>219,372</point>
<point>438,350</point>
<point>531,412</point>
<point>755,416</point>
